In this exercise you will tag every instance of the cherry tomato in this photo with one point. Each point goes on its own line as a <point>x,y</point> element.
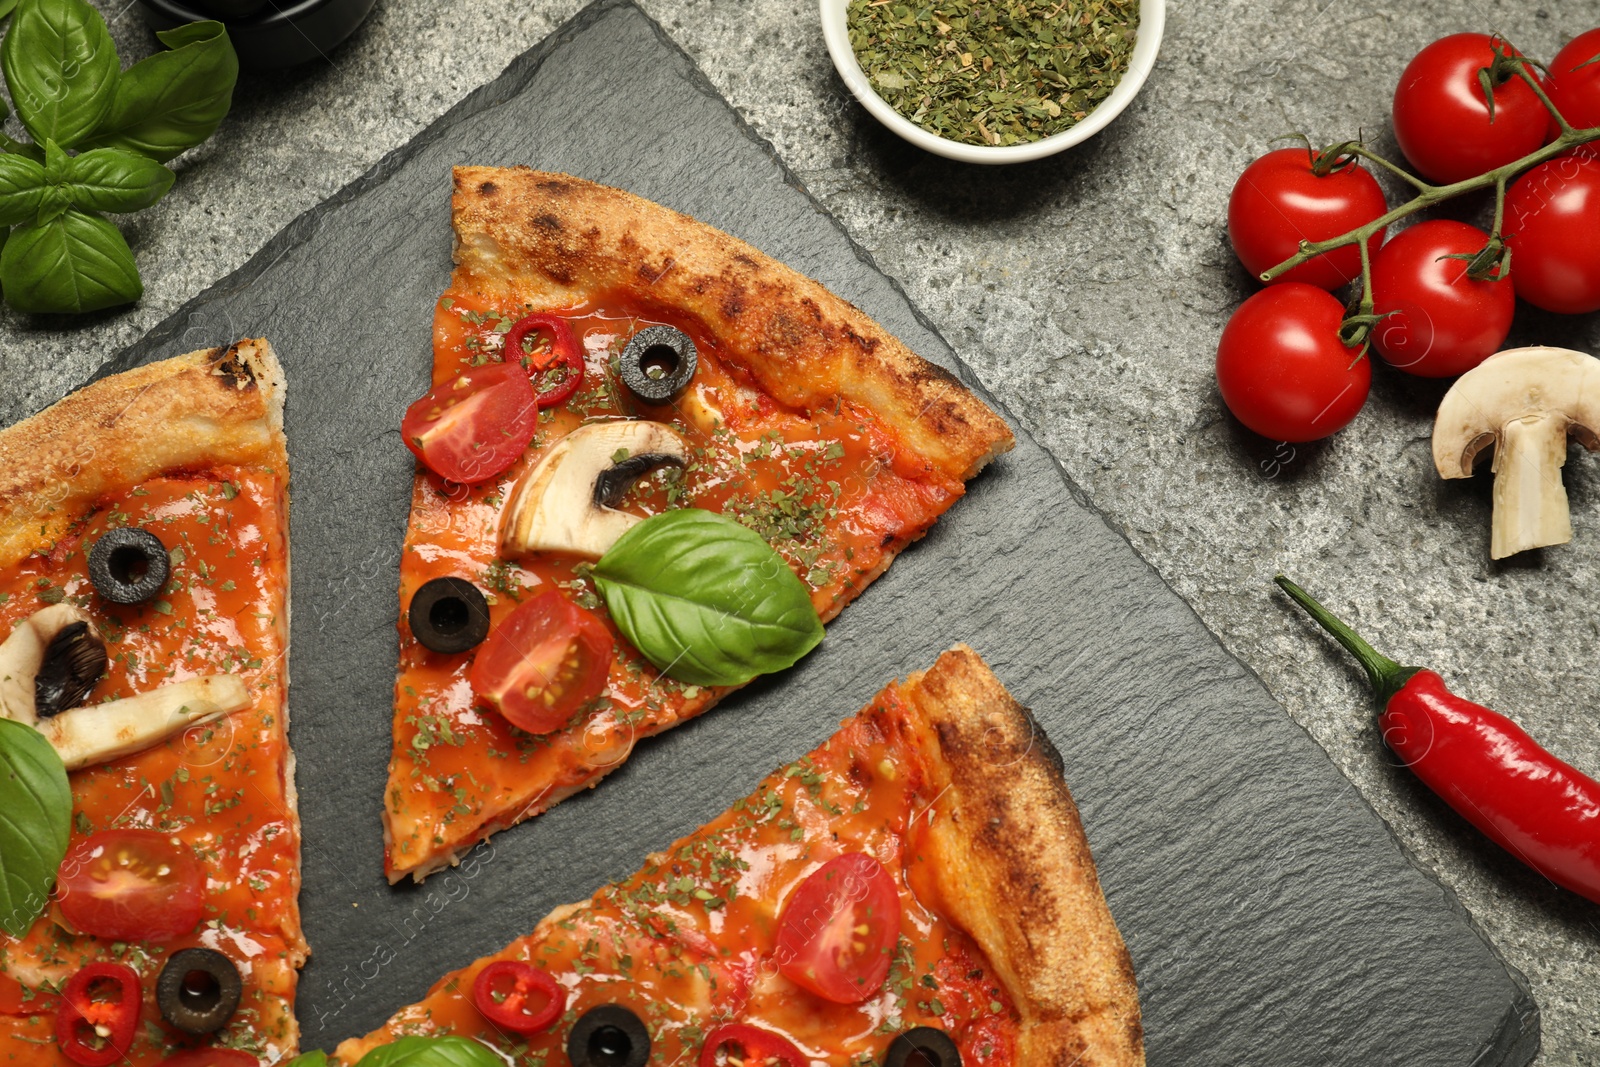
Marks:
<point>1442,120</point>
<point>1553,222</point>
<point>131,885</point>
<point>1280,200</point>
<point>211,1057</point>
<point>749,1046</point>
<point>99,1014</point>
<point>543,662</point>
<point>1282,369</point>
<point>473,425</point>
<point>1443,322</point>
<point>1575,83</point>
<point>553,354</point>
<point>838,931</point>
<point>518,996</point>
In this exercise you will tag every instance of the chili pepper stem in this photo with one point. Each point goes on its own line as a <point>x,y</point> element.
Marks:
<point>1384,674</point>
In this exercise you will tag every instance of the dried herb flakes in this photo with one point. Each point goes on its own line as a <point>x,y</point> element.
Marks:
<point>991,72</point>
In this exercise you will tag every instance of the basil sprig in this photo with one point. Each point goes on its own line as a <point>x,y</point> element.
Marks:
<point>431,1052</point>
<point>100,137</point>
<point>706,600</point>
<point>37,806</point>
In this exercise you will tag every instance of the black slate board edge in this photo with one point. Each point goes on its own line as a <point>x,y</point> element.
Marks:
<point>1516,1036</point>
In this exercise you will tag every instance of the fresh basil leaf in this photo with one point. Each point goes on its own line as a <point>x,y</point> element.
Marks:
<point>22,186</point>
<point>109,179</point>
<point>173,100</point>
<point>61,68</point>
<point>705,599</point>
<point>431,1052</point>
<point>315,1058</point>
<point>6,7</point>
<point>75,262</point>
<point>37,802</point>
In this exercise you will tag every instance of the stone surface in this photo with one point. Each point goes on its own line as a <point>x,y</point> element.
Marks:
<point>1087,292</point>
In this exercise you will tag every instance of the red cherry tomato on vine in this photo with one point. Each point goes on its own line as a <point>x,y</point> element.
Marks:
<point>1282,369</point>
<point>1441,118</point>
<point>1552,218</point>
<point>546,346</point>
<point>518,996</point>
<point>131,885</point>
<point>1443,323</point>
<point>738,1043</point>
<point>543,662</point>
<point>838,930</point>
<point>1280,200</point>
<point>474,424</point>
<point>99,1014</point>
<point>1575,84</point>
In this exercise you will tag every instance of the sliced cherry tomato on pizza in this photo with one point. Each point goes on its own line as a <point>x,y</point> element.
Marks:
<point>838,931</point>
<point>131,885</point>
<point>547,347</point>
<point>518,996</point>
<point>741,1045</point>
<point>211,1057</point>
<point>543,662</point>
<point>473,425</point>
<point>99,1014</point>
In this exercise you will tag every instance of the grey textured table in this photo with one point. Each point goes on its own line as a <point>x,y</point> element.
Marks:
<point>1086,292</point>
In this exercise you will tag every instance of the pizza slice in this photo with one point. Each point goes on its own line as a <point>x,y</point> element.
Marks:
<point>653,461</point>
<point>915,891</point>
<point>150,854</point>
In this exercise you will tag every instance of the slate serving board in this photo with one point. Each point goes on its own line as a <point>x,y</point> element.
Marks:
<point>1271,917</point>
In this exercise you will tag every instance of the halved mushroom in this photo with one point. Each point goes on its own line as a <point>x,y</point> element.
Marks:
<point>50,663</point>
<point>567,503</point>
<point>1525,402</point>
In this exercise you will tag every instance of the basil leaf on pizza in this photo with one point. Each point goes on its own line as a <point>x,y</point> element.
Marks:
<point>61,68</point>
<point>416,1051</point>
<point>74,262</point>
<point>706,599</point>
<point>37,803</point>
<point>173,100</point>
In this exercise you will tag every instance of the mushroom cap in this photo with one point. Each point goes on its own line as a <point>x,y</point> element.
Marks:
<point>1512,385</point>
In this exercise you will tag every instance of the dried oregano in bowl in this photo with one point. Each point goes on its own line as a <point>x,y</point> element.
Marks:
<point>993,72</point>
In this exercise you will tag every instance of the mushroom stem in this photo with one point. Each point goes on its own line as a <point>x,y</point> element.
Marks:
<point>96,733</point>
<point>1530,503</point>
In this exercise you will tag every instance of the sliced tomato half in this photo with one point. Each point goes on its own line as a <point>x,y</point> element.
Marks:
<point>99,1014</point>
<point>838,931</point>
<point>131,885</point>
<point>543,662</point>
<point>742,1045</point>
<point>473,425</point>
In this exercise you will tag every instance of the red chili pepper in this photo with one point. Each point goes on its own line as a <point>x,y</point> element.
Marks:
<point>1543,811</point>
<point>519,988</point>
<point>564,360</point>
<point>97,1032</point>
<point>751,1046</point>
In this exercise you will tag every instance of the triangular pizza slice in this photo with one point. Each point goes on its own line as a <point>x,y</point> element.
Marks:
<point>652,461</point>
<point>150,847</point>
<point>915,891</point>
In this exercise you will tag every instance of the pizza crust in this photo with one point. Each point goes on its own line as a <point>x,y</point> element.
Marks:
<point>210,407</point>
<point>556,241</point>
<point>1013,869</point>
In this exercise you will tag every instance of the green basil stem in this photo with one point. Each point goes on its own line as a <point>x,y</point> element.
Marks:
<point>1384,674</point>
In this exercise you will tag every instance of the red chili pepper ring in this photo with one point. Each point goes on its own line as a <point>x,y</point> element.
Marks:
<point>562,364</point>
<point>518,996</point>
<point>95,1030</point>
<point>742,1043</point>
<point>1540,809</point>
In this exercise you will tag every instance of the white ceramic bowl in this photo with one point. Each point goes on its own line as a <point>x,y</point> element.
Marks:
<point>1152,17</point>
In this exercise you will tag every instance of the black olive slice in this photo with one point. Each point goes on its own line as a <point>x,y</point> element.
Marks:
<point>449,615</point>
<point>923,1046</point>
<point>615,479</point>
<point>608,1036</point>
<point>198,990</point>
<point>658,364</point>
<point>74,660</point>
<point>128,565</point>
